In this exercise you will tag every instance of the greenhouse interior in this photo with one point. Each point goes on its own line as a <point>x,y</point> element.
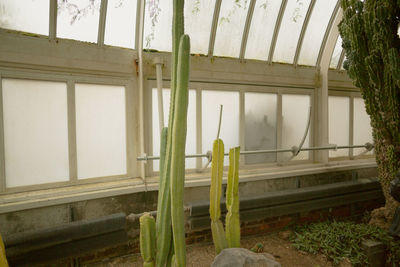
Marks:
<point>199,133</point>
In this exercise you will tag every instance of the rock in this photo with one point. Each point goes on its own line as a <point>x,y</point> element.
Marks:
<point>285,234</point>
<point>240,257</point>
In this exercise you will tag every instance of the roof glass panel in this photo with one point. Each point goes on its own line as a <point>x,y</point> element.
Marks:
<point>25,15</point>
<point>336,54</point>
<point>231,22</point>
<point>259,40</point>
<point>158,25</point>
<point>198,20</point>
<point>78,19</point>
<point>121,23</point>
<point>290,29</point>
<point>315,31</point>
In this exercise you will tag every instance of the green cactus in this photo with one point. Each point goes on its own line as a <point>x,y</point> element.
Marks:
<point>147,239</point>
<point>232,221</point>
<point>178,151</point>
<point>217,166</point>
<point>163,223</point>
<point>372,46</point>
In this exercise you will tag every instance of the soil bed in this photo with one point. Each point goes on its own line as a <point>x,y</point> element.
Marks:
<point>202,255</point>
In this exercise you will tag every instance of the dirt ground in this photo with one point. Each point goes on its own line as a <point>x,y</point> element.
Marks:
<point>202,255</point>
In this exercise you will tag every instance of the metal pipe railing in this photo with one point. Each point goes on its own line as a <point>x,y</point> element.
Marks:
<point>367,146</point>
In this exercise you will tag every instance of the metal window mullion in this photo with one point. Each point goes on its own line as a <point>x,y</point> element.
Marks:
<point>279,126</point>
<point>72,146</point>
<point>139,15</point>
<point>2,145</point>
<point>242,124</point>
<point>341,59</point>
<point>303,31</point>
<point>327,31</point>
<point>130,128</point>
<point>276,30</point>
<point>53,20</point>
<point>102,22</point>
<point>214,27</point>
<point>351,127</point>
<point>246,29</point>
<point>199,141</point>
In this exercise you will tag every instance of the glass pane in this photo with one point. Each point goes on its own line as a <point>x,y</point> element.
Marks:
<point>315,31</point>
<point>259,40</point>
<point>290,29</point>
<point>336,54</point>
<point>78,19</point>
<point>232,18</point>
<point>121,23</point>
<point>158,25</point>
<point>191,126</point>
<point>100,130</point>
<point>362,126</point>
<point>260,123</point>
<point>35,132</point>
<point>25,15</point>
<point>211,101</point>
<point>339,129</point>
<point>198,20</point>
<point>295,109</point>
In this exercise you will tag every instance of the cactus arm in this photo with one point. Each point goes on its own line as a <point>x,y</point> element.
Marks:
<point>217,166</point>
<point>178,151</point>
<point>147,239</point>
<point>163,222</point>
<point>232,222</point>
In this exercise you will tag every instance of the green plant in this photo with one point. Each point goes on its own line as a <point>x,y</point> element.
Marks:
<point>369,33</point>
<point>232,221</point>
<point>147,239</point>
<point>338,240</point>
<point>217,167</point>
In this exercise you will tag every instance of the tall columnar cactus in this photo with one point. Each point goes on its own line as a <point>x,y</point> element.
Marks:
<point>148,239</point>
<point>232,220</point>
<point>163,223</point>
<point>217,167</point>
<point>369,33</point>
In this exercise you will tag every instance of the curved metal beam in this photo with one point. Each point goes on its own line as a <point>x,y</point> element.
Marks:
<point>303,31</point>
<point>328,30</point>
<point>247,28</point>
<point>102,22</point>
<point>276,30</point>
<point>214,27</point>
<point>53,20</point>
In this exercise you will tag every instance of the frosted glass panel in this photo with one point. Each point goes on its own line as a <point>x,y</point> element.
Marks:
<point>35,132</point>
<point>25,15</point>
<point>211,101</point>
<point>295,109</point>
<point>262,28</point>
<point>121,23</point>
<point>315,31</point>
<point>191,126</point>
<point>198,20</point>
<point>336,54</point>
<point>289,33</point>
<point>78,19</point>
<point>100,130</point>
<point>260,131</point>
<point>232,18</point>
<point>339,129</point>
<point>362,126</point>
<point>158,25</point>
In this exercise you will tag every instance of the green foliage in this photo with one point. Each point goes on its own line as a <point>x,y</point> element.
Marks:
<point>338,240</point>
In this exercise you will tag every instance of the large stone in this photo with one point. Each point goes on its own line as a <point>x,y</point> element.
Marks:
<point>240,257</point>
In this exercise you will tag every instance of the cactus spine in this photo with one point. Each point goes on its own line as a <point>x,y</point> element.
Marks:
<point>217,166</point>
<point>232,221</point>
<point>369,33</point>
<point>147,239</point>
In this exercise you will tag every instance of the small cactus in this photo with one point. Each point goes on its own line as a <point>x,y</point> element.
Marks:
<point>147,239</point>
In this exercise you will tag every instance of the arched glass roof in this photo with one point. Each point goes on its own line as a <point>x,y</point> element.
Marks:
<point>282,31</point>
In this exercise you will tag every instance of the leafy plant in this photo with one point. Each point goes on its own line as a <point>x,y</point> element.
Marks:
<point>339,240</point>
